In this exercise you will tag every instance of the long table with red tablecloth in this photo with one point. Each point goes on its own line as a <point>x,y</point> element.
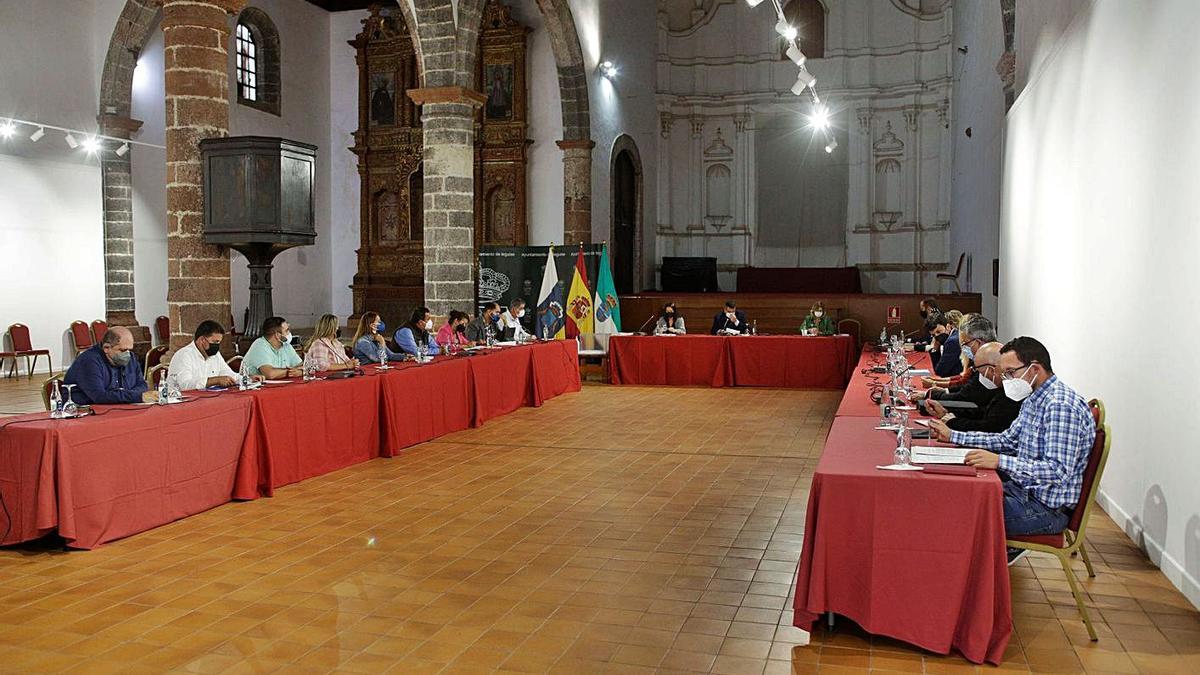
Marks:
<point>782,361</point>
<point>909,555</point>
<point>132,468</point>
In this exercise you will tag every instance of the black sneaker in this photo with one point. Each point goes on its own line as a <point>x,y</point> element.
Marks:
<point>1015,554</point>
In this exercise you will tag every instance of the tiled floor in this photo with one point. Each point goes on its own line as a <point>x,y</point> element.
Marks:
<point>641,529</point>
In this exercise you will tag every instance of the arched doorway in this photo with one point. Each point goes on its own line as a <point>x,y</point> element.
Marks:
<point>626,232</point>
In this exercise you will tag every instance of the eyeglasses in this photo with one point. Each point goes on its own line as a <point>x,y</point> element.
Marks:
<point>1011,373</point>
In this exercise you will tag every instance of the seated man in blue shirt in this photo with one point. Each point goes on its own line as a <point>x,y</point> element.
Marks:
<point>1042,455</point>
<point>949,360</point>
<point>272,356</point>
<point>108,372</point>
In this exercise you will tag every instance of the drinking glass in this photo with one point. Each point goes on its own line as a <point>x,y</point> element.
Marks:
<point>173,391</point>
<point>70,409</point>
<point>383,358</point>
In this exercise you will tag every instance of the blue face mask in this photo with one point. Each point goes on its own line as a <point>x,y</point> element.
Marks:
<point>382,327</point>
<point>968,352</point>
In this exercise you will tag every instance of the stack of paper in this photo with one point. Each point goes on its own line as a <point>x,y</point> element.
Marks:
<point>928,454</point>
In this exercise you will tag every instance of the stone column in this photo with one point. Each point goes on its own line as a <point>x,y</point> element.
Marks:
<point>116,179</point>
<point>195,35</point>
<point>448,122</point>
<point>577,191</point>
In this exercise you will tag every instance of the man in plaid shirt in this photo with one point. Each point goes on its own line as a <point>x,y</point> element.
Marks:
<point>1042,456</point>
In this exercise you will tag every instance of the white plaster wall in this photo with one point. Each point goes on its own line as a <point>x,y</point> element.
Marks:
<point>624,32</point>
<point>978,105</point>
<point>344,213</point>
<point>1098,217</point>
<point>149,169</point>
<point>880,66</point>
<point>50,196</point>
<point>301,277</point>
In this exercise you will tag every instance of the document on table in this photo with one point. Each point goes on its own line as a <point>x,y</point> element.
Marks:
<point>928,454</point>
<point>919,372</point>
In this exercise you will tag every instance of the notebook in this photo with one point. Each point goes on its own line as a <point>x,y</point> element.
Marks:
<point>928,454</point>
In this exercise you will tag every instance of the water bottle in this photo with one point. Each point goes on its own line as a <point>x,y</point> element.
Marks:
<point>903,455</point>
<point>883,338</point>
<point>56,402</point>
<point>164,392</point>
<point>754,327</point>
<point>421,352</point>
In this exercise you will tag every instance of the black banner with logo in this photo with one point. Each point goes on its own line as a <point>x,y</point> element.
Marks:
<point>509,272</point>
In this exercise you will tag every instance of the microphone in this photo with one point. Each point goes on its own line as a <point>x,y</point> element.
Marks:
<point>641,329</point>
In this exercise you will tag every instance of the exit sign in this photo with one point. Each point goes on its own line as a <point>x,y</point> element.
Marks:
<point>893,315</point>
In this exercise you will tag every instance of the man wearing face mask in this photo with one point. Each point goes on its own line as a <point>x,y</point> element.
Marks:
<point>976,330</point>
<point>199,365</point>
<point>949,362</point>
<point>1042,455</point>
<point>510,321</point>
<point>272,355</point>
<point>996,411</point>
<point>108,373</point>
<point>478,328</point>
<point>731,321</point>
<point>418,330</point>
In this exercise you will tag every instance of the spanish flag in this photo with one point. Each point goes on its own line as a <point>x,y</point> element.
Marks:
<point>579,302</point>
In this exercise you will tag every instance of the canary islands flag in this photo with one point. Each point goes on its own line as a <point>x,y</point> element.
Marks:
<point>579,302</point>
<point>551,324</point>
<point>607,307</point>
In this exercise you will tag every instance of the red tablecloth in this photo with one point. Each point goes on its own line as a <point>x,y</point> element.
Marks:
<point>917,557</point>
<point>125,471</point>
<point>421,403</point>
<point>792,361</point>
<point>857,399</point>
<point>788,361</point>
<point>134,468</point>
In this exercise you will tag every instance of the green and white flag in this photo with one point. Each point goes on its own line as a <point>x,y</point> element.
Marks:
<point>608,308</point>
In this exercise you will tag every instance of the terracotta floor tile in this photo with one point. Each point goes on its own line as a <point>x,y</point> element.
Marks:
<point>625,553</point>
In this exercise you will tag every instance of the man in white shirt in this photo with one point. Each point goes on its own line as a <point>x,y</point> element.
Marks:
<point>199,365</point>
<point>510,321</point>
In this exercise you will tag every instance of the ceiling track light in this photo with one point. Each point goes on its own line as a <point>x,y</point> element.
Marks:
<point>754,3</point>
<point>607,69</point>
<point>7,129</point>
<point>831,145</point>
<point>37,135</point>
<point>786,30</point>
<point>796,55</point>
<point>71,142</point>
<point>122,150</point>
<point>804,80</point>
<point>92,145</point>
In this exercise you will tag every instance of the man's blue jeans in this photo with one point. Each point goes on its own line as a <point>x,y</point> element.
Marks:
<point>1025,515</point>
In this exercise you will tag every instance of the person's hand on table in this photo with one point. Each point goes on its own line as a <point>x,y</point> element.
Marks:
<point>927,382</point>
<point>935,409</point>
<point>939,431</point>
<point>353,363</point>
<point>920,395</point>
<point>982,459</point>
<point>150,397</point>
<point>295,372</point>
<point>221,381</point>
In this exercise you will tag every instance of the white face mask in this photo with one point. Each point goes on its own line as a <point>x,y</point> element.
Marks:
<point>1018,389</point>
<point>286,337</point>
<point>986,382</point>
<point>429,325</point>
<point>521,314</point>
<point>818,314</point>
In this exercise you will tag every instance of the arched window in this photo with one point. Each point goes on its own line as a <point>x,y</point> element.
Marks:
<point>256,61</point>
<point>808,17</point>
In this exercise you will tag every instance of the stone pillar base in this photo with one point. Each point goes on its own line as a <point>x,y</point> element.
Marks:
<point>577,191</point>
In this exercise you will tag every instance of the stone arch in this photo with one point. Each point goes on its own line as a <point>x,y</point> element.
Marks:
<point>133,29</point>
<point>572,76</point>
<point>268,58</point>
<point>625,149</point>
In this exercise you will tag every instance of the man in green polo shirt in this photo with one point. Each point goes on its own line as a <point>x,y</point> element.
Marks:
<point>271,355</point>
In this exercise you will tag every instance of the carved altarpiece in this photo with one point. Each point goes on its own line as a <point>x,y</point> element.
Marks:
<point>389,147</point>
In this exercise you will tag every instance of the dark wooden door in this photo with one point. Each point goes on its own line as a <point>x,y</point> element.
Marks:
<point>625,218</point>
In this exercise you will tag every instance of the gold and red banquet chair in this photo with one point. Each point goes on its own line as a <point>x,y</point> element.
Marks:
<point>1071,540</point>
<point>99,328</point>
<point>81,335</point>
<point>22,346</point>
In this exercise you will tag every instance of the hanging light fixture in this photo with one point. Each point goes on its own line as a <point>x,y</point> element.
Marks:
<point>122,150</point>
<point>37,135</point>
<point>71,142</point>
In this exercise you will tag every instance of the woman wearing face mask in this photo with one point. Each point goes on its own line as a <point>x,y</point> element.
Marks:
<point>817,322</point>
<point>418,331</point>
<point>453,334</point>
<point>324,350</point>
<point>368,340</point>
<point>670,321</point>
<point>510,322</point>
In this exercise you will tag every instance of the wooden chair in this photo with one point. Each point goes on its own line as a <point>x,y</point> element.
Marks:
<point>155,375</point>
<point>162,330</point>
<point>81,335</point>
<point>593,354</point>
<point>853,328</point>
<point>5,356</point>
<point>99,328</point>
<point>235,363</point>
<point>1071,540</point>
<point>47,386</point>
<point>953,278</point>
<point>18,335</point>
